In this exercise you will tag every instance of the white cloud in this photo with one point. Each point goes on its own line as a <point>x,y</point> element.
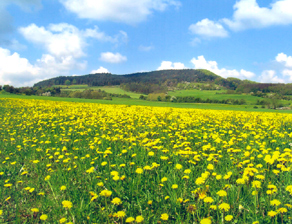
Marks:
<point>288,73</point>
<point>112,58</point>
<point>64,45</point>
<point>283,58</point>
<point>201,63</point>
<point>14,69</point>
<point>286,63</point>
<point>166,65</point>
<point>59,39</point>
<point>95,33</point>
<point>18,71</point>
<point>125,11</point>
<point>64,39</point>
<point>269,76</point>
<point>100,70</point>
<point>248,14</point>
<point>208,28</point>
<point>145,48</point>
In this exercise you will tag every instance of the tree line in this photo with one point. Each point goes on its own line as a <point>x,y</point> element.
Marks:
<point>31,90</point>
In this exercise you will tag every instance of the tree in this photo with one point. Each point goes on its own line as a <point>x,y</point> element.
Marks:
<point>74,81</point>
<point>67,82</point>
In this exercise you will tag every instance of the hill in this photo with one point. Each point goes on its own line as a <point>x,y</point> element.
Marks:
<point>171,77</point>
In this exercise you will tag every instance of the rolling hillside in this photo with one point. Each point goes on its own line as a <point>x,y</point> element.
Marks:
<point>154,77</point>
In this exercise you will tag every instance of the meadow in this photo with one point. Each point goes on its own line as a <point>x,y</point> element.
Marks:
<point>203,94</point>
<point>70,162</point>
<point>108,89</point>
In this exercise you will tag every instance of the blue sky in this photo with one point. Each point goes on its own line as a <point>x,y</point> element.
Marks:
<point>246,39</point>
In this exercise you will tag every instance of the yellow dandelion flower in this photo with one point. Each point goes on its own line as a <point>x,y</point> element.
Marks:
<point>282,210</point>
<point>206,221</point>
<point>139,170</point>
<point>164,216</point>
<point>35,210</point>
<point>43,217</point>
<point>222,193</point>
<point>139,219</point>
<point>228,218</point>
<point>187,171</point>
<point>178,166</point>
<point>116,178</point>
<point>105,193</point>
<point>272,213</point>
<point>62,220</point>
<point>224,206</point>
<point>90,170</point>
<point>67,204</point>
<point>275,202</point>
<point>174,186</point>
<point>116,201</point>
<point>120,214</point>
<point>130,219</point>
<point>208,200</point>
<point>163,179</point>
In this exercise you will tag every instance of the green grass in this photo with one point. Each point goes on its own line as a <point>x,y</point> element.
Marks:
<point>211,94</point>
<point>118,90</point>
<point>108,89</point>
<point>131,102</point>
<point>71,86</point>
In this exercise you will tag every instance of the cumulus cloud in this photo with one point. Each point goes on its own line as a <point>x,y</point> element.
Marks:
<point>248,14</point>
<point>10,73</point>
<point>202,63</point>
<point>64,39</point>
<point>286,62</point>
<point>208,28</point>
<point>125,11</point>
<point>288,73</point>
<point>59,39</point>
<point>112,58</point>
<point>269,76</point>
<point>26,74</point>
<point>100,70</point>
<point>284,59</point>
<point>64,46</point>
<point>166,65</point>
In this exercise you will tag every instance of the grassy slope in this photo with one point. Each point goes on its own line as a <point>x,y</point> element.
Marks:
<point>108,89</point>
<point>211,94</point>
<point>203,94</point>
<point>129,102</point>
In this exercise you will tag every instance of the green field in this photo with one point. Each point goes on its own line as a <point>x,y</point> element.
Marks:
<point>108,89</point>
<point>217,94</point>
<point>67,162</point>
<point>71,86</point>
<point>132,102</point>
<point>203,94</point>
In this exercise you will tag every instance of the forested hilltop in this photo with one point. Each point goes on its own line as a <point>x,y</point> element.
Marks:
<point>155,81</point>
<point>153,77</point>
